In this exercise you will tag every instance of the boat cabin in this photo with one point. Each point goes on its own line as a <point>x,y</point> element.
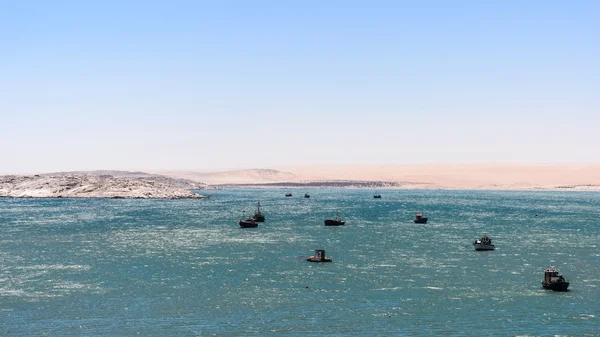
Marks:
<point>551,275</point>
<point>319,256</point>
<point>320,253</point>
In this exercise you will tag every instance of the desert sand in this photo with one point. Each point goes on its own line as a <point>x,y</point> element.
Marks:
<point>179,183</point>
<point>467,176</point>
<point>430,176</point>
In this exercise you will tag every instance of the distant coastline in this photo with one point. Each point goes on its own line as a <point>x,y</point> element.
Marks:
<point>181,184</point>
<point>399,186</point>
<point>357,184</point>
<point>521,177</point>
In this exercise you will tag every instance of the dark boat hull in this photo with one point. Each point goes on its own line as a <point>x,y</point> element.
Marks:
<point>248,224</point>
<point>557,286</point>
<point>334,223</point>
<point>421,220</point>
<point>316,259</point>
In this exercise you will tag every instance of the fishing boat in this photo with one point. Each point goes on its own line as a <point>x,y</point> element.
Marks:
<point>319,256</point>
<point>306,195</point>
<point>377,196</point>
<point>485,243</point>
<point>335,222</point>
<point>419,218</point>
<point>248,223</point>
<point>553,280</point>
<point>288,194</point>
<point>258,216</point>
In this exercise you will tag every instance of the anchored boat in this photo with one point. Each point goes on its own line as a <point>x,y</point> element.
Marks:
<point>419,218</point>
<point>553,280</point>
<point>248,223</point>
<point>485,243</point>
<point>319,256</point>
<point>335,222</point>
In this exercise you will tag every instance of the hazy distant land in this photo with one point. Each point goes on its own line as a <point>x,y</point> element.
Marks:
<point>179,184</point>
<point>423,176</point>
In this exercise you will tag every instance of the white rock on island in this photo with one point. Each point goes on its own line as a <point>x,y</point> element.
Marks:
<point>97,186</point>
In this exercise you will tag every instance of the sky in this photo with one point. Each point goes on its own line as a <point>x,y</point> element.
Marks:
<point>255,84</point>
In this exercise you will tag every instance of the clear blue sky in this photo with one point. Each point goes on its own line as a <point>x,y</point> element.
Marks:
<point>246,84</point>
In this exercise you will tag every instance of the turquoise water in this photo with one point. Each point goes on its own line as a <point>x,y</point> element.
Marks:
<point>103,267</point>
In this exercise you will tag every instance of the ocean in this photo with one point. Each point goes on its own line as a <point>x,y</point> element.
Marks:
<point>125,267</point>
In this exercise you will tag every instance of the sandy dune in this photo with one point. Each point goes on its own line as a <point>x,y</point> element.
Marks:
<point>438,176</point>
<point>249,176</point>
<point>476,176</point>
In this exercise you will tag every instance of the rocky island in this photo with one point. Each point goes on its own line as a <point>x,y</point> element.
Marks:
<point>98,185</point>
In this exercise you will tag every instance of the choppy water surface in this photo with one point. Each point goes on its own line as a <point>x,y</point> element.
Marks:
<point>184,268</point>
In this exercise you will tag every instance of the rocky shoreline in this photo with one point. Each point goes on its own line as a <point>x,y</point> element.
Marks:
<point>98,186</point>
